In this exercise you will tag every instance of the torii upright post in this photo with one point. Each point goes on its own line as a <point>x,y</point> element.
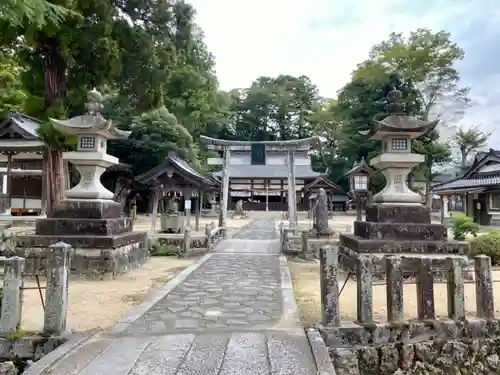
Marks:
<point>224,197</point>
<point>292,194</point>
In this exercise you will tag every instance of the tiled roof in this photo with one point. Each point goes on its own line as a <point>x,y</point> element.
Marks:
<point>469,183</point>
<point>268,171</point>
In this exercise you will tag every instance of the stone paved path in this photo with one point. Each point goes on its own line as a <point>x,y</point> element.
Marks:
<point>230,316</point>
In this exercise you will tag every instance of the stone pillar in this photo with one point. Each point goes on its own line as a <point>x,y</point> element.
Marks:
<point>425,290</point>
<point>199,205</point>
<point>56,294</point>
<point>154,210</point>
<point>329,264</point>
<point>445,214</point>
<point>484,287</point>
<point>364,277</point>
<point>305,245</point>
<point>395,308</point>
<point>359,208</point>
<point>321,214</point>
<point>455,289</point>
<point>224,198</point>
<point>292,195</point>
<point>208,232</point>
<point>186,241</point>
<point>12,299</point>
<point>187,207</point>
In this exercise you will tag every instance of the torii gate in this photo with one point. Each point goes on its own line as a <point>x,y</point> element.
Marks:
<point>290,146</point>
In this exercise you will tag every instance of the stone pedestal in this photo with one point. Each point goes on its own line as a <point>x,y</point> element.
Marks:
<point>405,231</point>
<point>103,242</point>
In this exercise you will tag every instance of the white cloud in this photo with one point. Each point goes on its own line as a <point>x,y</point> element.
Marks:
<point>323,39</point>
<point>326,39</point>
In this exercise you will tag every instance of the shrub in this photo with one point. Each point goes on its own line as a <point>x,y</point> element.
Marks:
<point>462,225</point>
<point>488,244</point>
<point>162,250</point>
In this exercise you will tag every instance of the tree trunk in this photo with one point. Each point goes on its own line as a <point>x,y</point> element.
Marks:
<point>54,68</point>
<point>55,181</point>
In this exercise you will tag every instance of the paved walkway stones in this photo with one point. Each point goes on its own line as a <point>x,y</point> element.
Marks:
<point>222,319</point>
<point>227,291</point>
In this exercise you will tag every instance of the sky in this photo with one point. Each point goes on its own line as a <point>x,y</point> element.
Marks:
<point>326,39</point>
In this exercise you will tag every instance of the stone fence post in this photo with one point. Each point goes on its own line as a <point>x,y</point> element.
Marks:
<point>484,287</point>
<point>12,299</point>
<point>394,270</point>
<point>306,253</point>
<point>208,232</point>
<point>56,295</point>
<point>364,278</point>
<point>329,285</point>
<point>186,242</point>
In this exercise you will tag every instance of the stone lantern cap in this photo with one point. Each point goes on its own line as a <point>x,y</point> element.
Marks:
<point>91,123</point>
<point>398,123</point>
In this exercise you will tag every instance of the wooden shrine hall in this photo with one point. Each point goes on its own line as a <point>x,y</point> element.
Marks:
<point>21,165</point>
<point>268,175</point>
<point>175,185</point>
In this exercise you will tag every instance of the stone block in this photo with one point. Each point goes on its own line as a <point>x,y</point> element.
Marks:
<point>88,209</point>
<point>91,263</point>
<point>81,241</point>
<point>96,227</point>
<point>363,245</point>
<point>398,214</point>
<point>400,231</point>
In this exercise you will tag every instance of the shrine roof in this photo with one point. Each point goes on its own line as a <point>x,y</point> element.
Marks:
<point>19,133</point>
<point>483,173</point>
<point>178,166</point>
<point>322,181</point>
<point>268,171</point>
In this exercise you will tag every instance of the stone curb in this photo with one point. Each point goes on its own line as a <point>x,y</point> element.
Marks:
<point>48,361</point>
<point>156,296</point>
<point>290,311</point>
<point>319,350</point>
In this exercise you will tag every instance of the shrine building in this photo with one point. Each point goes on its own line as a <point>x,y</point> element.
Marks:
<point>258,174</point>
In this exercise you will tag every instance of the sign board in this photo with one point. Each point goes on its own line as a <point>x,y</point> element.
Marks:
<point>187,204</point>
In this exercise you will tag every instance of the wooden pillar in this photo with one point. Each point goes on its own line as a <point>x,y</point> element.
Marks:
<point>224,199</point>
<point>292,195</point>
<point>154,210</point>
<point>267,194</point>
<point>198,210</point>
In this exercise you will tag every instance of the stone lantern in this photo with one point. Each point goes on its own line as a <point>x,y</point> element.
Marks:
<point>90,158</point>
<point>89,219</point>
<point>359,183</point>
<point>396,132</point>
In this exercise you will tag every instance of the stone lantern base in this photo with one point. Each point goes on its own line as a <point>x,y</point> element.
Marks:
<point>403,230</point>
<point>103,241</point>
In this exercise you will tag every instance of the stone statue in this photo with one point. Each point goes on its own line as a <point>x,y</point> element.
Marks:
<point>321,214</point>
<point>239,209</point>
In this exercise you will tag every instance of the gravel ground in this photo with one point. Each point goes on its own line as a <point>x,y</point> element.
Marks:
<point>100,304</point>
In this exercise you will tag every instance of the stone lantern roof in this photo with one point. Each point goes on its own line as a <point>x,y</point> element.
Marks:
<point>398,123</point>
<point>361,167</point>
<point>91,123</point>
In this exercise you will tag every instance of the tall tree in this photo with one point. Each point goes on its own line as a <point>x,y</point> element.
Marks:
<point>469,141</point>
<point>274,108</point>
<point>427,60</point>
<point>12,94</point>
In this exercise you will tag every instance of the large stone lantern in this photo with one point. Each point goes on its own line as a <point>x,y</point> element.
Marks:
<point>396,220</point>
<point>90,159</point>
<point>396,132</point>
<point>89,219</point>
